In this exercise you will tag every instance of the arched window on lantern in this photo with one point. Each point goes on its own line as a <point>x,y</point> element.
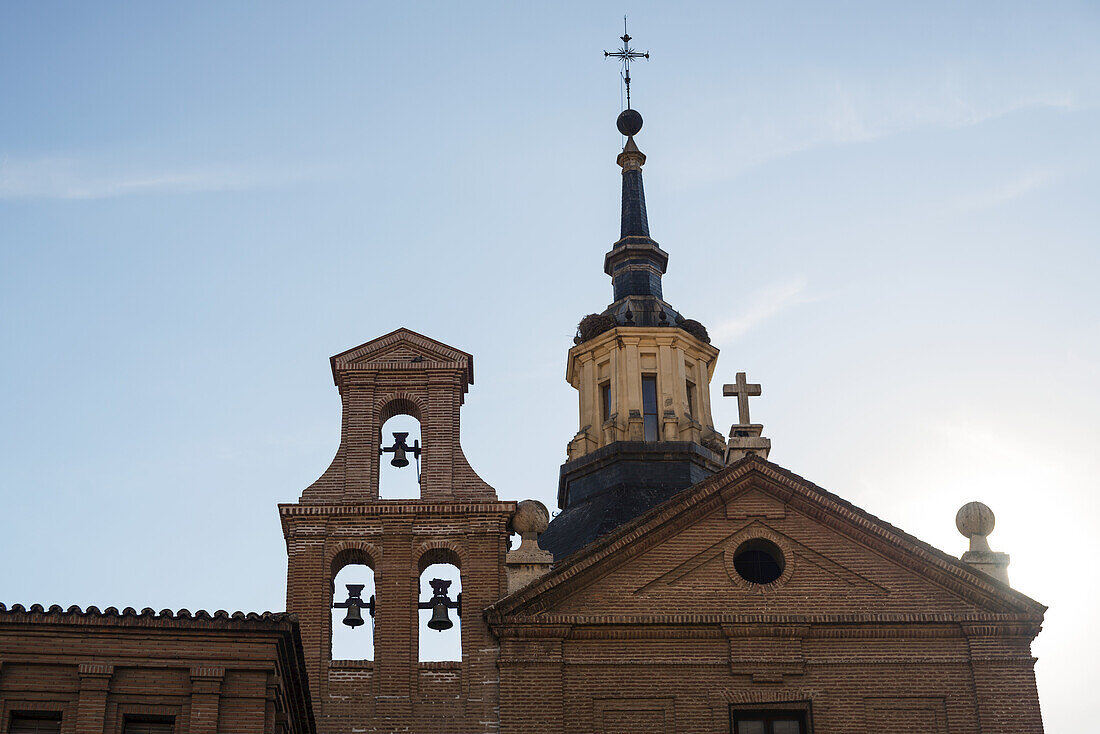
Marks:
<point>440,607</point>
<point>352,627</point>
<point>399,446</point>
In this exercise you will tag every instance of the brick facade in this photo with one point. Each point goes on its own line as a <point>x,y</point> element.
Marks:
<point>650,628</point>
<point>867,629</point>
<point>207,674</point>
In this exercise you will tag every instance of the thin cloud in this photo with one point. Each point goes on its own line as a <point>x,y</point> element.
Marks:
<point>1010,190</point>
<point>762,305</point>
<point>771,124</point>
<point>60,177</point>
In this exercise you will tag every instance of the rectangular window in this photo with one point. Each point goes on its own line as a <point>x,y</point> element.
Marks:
<point>649,408</point>
<point>691,398</point>
<point>768,722</point>
<point>149,726</point>
<point>43,723</point>
<point>605,402</point>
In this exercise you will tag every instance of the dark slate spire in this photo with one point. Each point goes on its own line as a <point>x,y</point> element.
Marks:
<point>635,222</point>
<point>635,263</point>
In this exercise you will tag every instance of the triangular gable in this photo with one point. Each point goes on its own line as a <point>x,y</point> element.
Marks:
<point>691,573</point>
<point>752,497</point>
<point>402,349</point>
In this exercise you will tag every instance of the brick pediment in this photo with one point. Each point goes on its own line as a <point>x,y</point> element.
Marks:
<point>404,350</point>
<point>677,561</point>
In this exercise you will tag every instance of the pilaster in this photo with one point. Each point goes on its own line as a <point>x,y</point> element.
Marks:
<point>206,685</point>
<point>91,707</point>
<point>397,591</point>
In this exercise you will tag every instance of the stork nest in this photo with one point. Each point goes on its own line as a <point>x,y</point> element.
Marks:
<point>696,329</point>
<point>593,325</point>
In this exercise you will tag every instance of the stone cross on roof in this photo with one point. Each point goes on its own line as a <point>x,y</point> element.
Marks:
<point>743,390</point>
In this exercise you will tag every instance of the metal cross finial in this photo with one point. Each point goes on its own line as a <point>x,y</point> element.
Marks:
<point>743,390</point>
<point>626,54</point>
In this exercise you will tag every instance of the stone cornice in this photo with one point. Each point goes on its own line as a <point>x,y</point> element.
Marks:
<point>621,335</point>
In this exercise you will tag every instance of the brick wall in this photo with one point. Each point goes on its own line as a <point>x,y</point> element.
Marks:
<point>868,630</point>
<point>853,678</point>
<point>398,539</point>
<point>211,674</point>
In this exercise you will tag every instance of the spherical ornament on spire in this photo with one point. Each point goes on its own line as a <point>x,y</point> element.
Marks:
<point>629,122</point>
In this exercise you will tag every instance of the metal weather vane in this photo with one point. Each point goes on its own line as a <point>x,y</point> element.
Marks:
<point>626,54</point>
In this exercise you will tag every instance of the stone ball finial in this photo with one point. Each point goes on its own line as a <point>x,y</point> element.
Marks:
<point>629,122</point>
<point>531,517</point>
<point>975,518</point>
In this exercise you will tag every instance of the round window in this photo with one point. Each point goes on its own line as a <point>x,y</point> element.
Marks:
<point>759,561</point>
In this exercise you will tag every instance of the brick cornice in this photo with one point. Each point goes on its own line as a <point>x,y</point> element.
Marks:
<point>411,509</point>
<point>644,626</point>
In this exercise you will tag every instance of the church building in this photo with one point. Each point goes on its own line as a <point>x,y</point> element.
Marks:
<point>686,584</point>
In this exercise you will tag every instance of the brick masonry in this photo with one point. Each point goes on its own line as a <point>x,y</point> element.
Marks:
<point>867,629</point>
<point>209,674</point>
<point>340,520</point>
<point>650,628</point>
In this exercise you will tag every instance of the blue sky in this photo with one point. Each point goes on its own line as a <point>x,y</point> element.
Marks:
<point>884,212</point>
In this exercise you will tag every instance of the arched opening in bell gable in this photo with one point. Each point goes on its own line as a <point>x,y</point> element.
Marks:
<point>400,443</point>
<point>439,615</point>
<point>352,602</point>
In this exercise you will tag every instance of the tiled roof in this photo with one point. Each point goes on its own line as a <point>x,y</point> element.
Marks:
<point>74,613</point>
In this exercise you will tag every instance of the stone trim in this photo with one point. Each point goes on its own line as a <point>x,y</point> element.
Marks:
<point>600,345</point>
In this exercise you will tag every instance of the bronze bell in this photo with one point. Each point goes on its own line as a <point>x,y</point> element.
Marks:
<point>399,459</point>
<point>354,616</point>
<point>441,618</point>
